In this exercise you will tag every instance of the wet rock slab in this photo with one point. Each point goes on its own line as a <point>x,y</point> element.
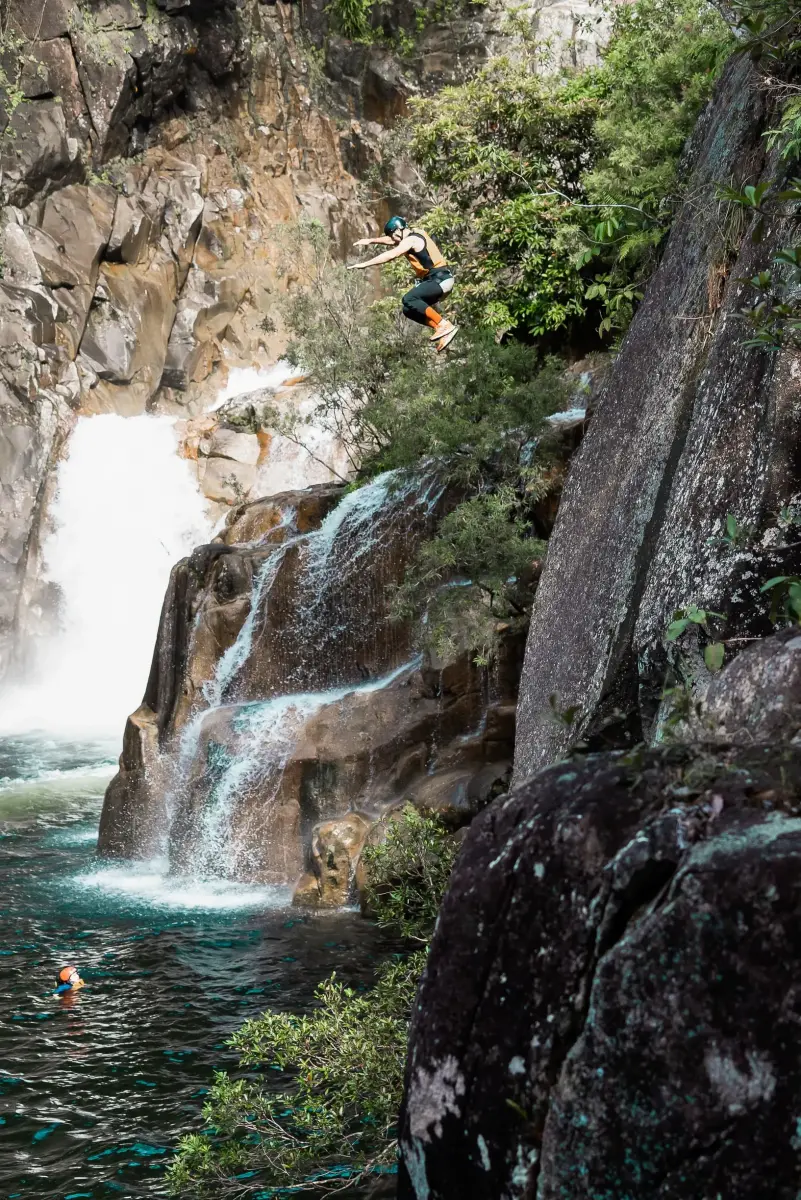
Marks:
<point>612,1002</point>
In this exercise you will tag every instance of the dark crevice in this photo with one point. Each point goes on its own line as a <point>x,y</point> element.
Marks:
<point>643,890</point>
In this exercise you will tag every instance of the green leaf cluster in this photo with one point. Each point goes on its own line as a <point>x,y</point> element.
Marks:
<point>785,595</point>
<point>406,875</point>
<point>337,1120</point>
<point>474,578</point>
<point>553,192</point>
<point>692,615</point>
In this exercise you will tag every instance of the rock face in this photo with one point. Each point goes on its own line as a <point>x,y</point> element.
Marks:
<point>610,1003</point>
<point>691,426</point>
<point>147,150</point>
<point>128,253</point>
<point>286,711</point>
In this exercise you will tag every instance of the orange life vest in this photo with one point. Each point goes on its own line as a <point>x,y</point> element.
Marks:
<point>429,259</point>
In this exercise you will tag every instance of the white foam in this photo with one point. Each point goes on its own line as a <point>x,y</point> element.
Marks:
<point>151,884</point>
<point>73,777</point>
<point>127,508</point>
<point>243,381</point>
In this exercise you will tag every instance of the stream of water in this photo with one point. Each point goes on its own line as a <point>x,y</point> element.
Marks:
<point>96,1089</point>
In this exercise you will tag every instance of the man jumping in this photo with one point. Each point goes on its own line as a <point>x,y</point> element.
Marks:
<point>428,264</point>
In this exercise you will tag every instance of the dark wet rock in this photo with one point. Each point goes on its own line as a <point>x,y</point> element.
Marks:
<point>690,426</point>
<point>126,827</point>
<point>622,933</point>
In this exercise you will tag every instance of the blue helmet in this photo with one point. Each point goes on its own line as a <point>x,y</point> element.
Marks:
<point>393,224</point>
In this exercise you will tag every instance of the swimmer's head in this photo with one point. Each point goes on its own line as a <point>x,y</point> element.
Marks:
<point>68,975</point>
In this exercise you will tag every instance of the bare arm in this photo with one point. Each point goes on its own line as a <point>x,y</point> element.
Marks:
<point>398,251</point>
<point>376,241</point>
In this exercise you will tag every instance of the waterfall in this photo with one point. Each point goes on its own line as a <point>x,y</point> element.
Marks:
<point>266,735</point>
<point>317,630</point>
<point>126,509</point>
<point>332,624</point>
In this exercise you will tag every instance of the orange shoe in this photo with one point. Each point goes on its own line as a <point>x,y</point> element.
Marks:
<point>446,339</point>
<point>442,330</point>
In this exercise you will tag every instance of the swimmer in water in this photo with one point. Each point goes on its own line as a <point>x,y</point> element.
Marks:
<point>69,980</point>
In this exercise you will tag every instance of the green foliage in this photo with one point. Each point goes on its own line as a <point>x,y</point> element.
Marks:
<point>787,135</point>
<point>699,618</point>
<point>684,618</point>
<point>337,1122</point>
<point>407,874</point>
<point>751,196</point>
<point>476,418</point>
<point>474,574</point>
<point>774,318</point>
<point>785,596</point>
<point>768,30</point>
<point>335,1125</point>
<point>554,192</point>
<point>736,535</point>
<point>352,18</point>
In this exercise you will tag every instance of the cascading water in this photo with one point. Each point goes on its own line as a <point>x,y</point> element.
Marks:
<point>126,509</point>
<point>267,735</point>
<point>232,754</point>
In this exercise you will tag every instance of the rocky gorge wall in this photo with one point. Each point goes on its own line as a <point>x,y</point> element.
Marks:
<point>621,929</point>
<point>148,150</point>
<point>145,153</point>
<point>690,426</point>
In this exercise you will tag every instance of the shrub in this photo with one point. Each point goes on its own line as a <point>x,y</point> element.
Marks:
<point>407,874</point>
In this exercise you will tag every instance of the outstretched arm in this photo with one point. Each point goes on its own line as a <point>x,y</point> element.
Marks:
<point>376,241</point>
<point>398,251</point>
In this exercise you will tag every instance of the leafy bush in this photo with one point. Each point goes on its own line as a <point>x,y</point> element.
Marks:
<point>553,194</point>
<point>475,573</point>
<point>352,18</point>
<point>407,874</point>
<point>336,1123</point>
<point>338,1120</point>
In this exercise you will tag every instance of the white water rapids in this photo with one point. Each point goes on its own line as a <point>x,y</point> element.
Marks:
<point>126,509</point>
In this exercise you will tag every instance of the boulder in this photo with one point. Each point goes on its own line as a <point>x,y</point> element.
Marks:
<point>335,850</point>
<point>37,152</point>
<point>207,304</point>
<point>136,230</point>
<point>235,445</point>
<point>258,520</point>
<point>77,221</point>
<point>50,19</point>
<point>225,480</point>
<point>126,829</point>
<point>621,932</point>
<point>757,696</point>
